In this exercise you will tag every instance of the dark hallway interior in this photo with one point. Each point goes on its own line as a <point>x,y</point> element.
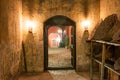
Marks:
<point>59,39</point>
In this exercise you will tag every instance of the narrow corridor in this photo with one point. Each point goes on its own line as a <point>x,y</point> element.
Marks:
<point>30,29</point>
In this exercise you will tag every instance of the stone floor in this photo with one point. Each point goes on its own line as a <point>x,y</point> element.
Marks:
<point>59,57</point>
<point>68,75</point>
<point>56,75</point>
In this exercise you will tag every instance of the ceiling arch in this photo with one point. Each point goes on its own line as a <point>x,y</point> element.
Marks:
<point>59,20</point>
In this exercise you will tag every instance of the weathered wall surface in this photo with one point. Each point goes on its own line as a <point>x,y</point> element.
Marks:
<point>108,7</point>
<point>10,38</point>
<point>82,48</point>
<point>33,42</point>
<point>77,10</point>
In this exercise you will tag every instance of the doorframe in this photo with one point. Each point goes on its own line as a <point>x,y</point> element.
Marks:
<point>45,35</point>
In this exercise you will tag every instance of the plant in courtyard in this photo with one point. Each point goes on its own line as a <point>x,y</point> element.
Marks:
<point>70,46</point>
<point>61,44</point>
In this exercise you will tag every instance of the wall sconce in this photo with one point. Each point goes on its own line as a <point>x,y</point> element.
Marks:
<point>86,24</point>
<point>30,25</point>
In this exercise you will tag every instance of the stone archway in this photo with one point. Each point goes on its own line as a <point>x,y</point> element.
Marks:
<point>60,21</point>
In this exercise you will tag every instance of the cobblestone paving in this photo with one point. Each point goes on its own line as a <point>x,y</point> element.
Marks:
<point>59,57</point>
<point>56,75</point>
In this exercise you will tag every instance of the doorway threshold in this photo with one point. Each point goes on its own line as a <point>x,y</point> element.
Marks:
<point>56,68</point>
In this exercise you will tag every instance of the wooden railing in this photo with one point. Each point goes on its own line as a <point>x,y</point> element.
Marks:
<point>102,61</point>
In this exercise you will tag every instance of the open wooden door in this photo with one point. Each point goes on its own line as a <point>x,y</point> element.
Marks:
<point>73,55</point>
<point>60,21</point>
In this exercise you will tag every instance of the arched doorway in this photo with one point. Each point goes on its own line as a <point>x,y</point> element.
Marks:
<point>64,29</point>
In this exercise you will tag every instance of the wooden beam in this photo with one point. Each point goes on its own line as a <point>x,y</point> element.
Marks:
<point>24,56</point>
<point>103,65</point>
<point>105,42</point>
<point>91,62</point>
<point>103,61</point>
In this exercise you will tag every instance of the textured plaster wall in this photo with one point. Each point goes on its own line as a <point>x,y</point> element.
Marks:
<point>10,38</point>
<point>33,42</point>
<point>82,48</point>
<point>77,10</point>
<point>109,7</point>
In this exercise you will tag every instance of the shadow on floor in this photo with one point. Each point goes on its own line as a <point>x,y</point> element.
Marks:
<point>56,75</point>
<point>36,76</point>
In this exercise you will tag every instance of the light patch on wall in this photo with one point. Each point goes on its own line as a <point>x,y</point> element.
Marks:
<point>86,24</point>
<point>20,19</point>
<point>31,25</point>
